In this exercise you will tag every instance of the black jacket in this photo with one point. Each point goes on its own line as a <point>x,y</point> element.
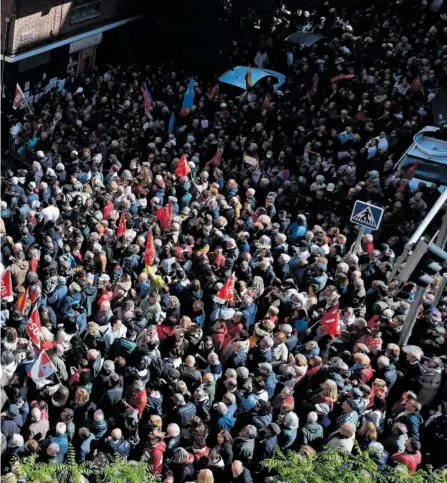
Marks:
<point>203,410</point>
<point>244,477</point>
<point>184,414</point>
<point>171,445</point>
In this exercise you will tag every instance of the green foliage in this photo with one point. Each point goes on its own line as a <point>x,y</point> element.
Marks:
<point>28,470</point>
<point>134,472</point>
<point>340,467</point>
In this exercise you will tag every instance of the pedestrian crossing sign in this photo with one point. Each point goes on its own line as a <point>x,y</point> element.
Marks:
<point>367,215</point>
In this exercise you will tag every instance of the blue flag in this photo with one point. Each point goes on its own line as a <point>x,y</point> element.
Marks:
<point>171,124</point>
<point>188,100</point>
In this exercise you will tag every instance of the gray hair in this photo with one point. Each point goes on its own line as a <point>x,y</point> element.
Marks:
<point>230,373</point>
<point>16,440</point>
<point>221,408</point>
<point>36,414</point>
<point>312,417</point>
<point>383,361</point>
<point>251,431</point>
<point>180,455</point>
<point>109,366</point>
<point>61,428</point>
<point>291,421</point>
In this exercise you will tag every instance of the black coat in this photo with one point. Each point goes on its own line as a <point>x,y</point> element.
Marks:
<point>203,410</point>
<point>244,477</point>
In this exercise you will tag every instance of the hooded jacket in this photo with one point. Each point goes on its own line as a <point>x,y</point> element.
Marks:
<point>154,456</point>
<point>412,422</point>
<point>19,269</point>
<point>243,449</point>
<point>309,433</point>
<point>225,423</point>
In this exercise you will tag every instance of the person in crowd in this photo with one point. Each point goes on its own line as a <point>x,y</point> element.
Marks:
<point>202,298</point>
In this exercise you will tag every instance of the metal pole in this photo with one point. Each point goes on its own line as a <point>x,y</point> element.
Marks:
<point>427,220</point>
<point>420,231</point>
<point>410,321</point>
<point>356,247</point>
<point>442,235</point>
<point>398,263</point>
<point>440,290</point>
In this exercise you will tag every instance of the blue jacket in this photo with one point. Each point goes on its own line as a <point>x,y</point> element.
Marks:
<point>249,313</point>
<point>297,231</point>
<point>185,414</point>
<point>266,448</point>
<point>412,422</point>
<point>62,441</point>
<point>85,448</point>
<point>270,385</point>
<point>287,438</point>
<point>70,299</point>
<point>122,447</point>
<point>260,421</point>
<point>225,423</point>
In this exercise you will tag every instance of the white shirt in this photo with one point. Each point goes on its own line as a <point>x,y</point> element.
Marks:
<point>50,213</point>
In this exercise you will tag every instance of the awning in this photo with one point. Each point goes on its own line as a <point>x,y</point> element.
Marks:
<point>60,43</point>
<point>306,38</point>
<point>236,76</point>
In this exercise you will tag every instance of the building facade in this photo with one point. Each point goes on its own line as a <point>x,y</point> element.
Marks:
<point>43,40</point>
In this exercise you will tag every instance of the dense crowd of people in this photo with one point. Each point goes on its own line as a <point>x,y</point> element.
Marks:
<point>149,363</point>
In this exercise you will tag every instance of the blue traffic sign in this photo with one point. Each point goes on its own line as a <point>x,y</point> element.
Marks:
<point>366,215</point>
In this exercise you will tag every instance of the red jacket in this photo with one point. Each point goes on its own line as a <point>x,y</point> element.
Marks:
<point>156,457</point>
<point>411,460</point>
<point>138,401</point>
<point>364,375</point>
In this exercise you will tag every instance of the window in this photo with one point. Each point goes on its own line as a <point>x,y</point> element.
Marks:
<point>83,9</point>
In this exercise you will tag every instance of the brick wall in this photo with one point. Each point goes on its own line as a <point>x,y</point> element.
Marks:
<point>34,22</point>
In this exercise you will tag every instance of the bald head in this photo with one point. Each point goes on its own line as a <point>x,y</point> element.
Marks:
<point>117,434</point>
<point>208,377</point>
<point>190,361</point>
<point>237,467</point>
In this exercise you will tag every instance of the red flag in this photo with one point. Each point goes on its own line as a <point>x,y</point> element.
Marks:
<point>267,104</point>
<point>183,167</point>
<point>147,100</point>
<point>373,322</point>
<point>416,85</point>
<point>23,302</point>
<point>411,171</point>
<point>6,286</point>
<point>330,322</point>
<point>122,224</point>
<point>214,92</point>
<point>248,79</point>
<point>42,368</point>
<point>34,294</point>
<point>409,175</point>
<point>215,160</point>
<point>342,77</point>
<point>314,87</point>
<point>164,216</point>
<point>19,97</point>
<point>226,292</point>
<point>149,252</point>
<point>33,327</point>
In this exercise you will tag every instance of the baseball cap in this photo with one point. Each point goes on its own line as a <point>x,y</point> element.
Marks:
<point>13,411</point>
<point>266,365</point>
<point>322,408</point>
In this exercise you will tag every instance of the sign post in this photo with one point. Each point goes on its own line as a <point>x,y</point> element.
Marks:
<point>368,217</point>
